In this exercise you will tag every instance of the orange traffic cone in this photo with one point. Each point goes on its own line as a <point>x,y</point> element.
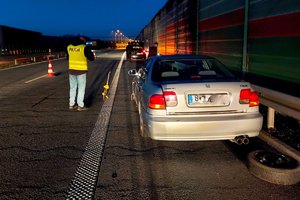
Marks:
<point>50,70</point>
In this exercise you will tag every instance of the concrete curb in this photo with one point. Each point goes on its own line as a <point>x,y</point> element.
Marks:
<point>279,146</point>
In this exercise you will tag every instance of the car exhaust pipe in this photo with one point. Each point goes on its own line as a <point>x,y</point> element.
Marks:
<point>245,140</point>
<point>241,140</point>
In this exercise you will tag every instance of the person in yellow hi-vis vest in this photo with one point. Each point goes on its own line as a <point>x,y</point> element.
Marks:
<point>78,54</point>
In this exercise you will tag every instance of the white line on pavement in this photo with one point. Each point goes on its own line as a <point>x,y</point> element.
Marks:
<point>36,78</point>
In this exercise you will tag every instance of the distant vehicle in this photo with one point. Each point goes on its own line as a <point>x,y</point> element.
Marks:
<point>128,51</point>
<point>137,51</point>
<point>194,97</point>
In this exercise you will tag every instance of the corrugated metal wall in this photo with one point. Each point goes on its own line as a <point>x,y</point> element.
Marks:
<point>173,28</point>
<point>271,48</point>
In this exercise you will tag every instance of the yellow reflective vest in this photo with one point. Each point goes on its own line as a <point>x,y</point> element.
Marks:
<point>77,59</point>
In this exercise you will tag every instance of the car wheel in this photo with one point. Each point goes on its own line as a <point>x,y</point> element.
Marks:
<point>274,167</point>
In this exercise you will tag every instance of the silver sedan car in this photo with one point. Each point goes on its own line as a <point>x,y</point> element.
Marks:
<point>194,97</point>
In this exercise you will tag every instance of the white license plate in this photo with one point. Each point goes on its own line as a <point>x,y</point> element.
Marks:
<point>199,99</point>
<point>220,99</point>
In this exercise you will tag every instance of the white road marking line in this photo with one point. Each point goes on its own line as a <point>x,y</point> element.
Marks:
<point>36,78</point>
<point>83,184</point>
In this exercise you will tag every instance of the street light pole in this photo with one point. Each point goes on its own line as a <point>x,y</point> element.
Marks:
<point>119,36</point>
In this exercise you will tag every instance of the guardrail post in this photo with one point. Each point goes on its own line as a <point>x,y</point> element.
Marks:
<point>271,117</point>
<point>16,62</point>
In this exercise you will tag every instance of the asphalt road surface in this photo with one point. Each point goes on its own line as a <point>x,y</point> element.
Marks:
<point>42,144</point>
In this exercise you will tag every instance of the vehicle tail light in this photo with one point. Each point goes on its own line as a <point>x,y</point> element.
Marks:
<point>249,97</point>
<point>254,100</point>
<point>157,101</point>
<point>170,98</point>
<point>244,96</point>
<point>160,101</point>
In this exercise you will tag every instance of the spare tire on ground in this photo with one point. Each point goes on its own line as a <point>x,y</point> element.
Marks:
<point>274,167</point>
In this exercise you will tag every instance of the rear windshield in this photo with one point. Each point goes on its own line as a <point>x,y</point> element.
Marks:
<point>137,44</point>
<point>188,70</point>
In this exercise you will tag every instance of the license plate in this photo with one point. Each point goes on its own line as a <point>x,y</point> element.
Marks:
<point>220,99</point>
<point>199,99</point>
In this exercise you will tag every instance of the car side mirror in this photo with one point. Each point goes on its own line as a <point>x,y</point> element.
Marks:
<point>132,72</point>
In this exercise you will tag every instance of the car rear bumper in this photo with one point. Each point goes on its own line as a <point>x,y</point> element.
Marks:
<point>193,128</point>
<point>137,57</point>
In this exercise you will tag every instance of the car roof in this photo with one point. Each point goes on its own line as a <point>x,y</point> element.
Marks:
<point>182,56</point>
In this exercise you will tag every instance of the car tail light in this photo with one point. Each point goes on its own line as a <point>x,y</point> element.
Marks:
<point>157,101</point>
<point>160,101</point>
<point>254,100</point>
<point>170,98</point>
<point>249,97</point>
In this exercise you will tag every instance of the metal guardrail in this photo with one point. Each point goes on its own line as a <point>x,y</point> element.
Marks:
<point>277,101</point>
<point>12,61</point>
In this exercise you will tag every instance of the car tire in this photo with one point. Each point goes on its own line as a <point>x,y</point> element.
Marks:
<point>281,175</point>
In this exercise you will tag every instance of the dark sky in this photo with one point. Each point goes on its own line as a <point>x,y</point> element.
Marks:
<point>94,18</point>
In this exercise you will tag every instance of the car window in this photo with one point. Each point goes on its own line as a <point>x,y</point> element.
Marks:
<point>190,70</point>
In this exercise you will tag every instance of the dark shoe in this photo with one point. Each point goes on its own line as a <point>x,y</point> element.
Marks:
<point>82,108</point>
<point>74,107</point>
